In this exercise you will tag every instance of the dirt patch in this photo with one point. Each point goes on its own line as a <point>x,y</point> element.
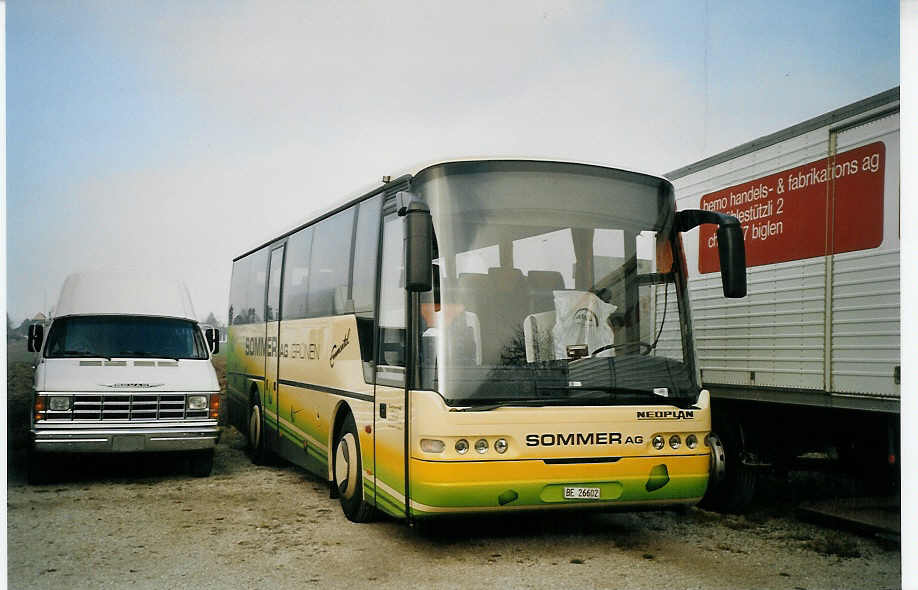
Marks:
<point>141,522</point>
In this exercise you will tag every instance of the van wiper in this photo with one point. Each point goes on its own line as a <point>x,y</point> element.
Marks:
<point>145,355</point>
<point>83,354</point>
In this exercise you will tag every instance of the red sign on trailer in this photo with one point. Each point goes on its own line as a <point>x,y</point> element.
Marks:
<point>825,207</point>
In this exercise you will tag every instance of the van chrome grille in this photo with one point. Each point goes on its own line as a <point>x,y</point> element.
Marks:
<point>129,407</point>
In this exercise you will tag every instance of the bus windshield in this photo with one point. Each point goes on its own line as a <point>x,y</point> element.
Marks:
<point>552,283</point>
<point>125,337</point>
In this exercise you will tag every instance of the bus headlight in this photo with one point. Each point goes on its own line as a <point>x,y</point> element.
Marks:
<point>691,441</point>
<point>462,446</point>
<point>658,442</point>
<point>59,403</point>
<point>197,402</point>
<point>500,445</point>
<point>430,445</point>
<point>675,441</point>
<point>481,445</point>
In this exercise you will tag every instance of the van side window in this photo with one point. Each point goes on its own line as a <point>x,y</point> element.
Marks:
<point>329,267</point>
<point>296,274</point>
<point>247,289</point>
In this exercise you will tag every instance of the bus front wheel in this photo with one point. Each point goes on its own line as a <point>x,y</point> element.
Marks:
<point>348,473</point>
<point>731,485</point>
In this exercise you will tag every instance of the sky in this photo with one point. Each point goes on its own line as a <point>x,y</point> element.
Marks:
<point>173,136</point>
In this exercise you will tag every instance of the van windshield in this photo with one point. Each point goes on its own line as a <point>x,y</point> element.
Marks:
<point>125,337</point>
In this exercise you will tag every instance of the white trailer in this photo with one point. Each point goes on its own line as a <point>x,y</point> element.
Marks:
<point>810,358</point>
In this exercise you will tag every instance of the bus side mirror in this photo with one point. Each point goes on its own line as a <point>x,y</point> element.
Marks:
<point>732,252</point>
<point>418,240</point>
<point>212,335</point>
<point>730,246</point>
<point>36,336</point>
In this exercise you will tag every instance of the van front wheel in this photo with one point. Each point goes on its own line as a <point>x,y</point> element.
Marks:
<point>201,463</point>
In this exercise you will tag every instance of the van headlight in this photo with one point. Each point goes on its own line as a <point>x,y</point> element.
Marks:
<point>196,402</point>
<point>59,403</point>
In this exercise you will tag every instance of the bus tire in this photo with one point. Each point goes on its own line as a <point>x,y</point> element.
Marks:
<point>735,491</point>
<point>255,434</point>
<point>201,463</point>
<point>348,473</point>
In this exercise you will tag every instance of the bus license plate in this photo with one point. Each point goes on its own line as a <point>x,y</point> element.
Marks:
<point>581,493</point>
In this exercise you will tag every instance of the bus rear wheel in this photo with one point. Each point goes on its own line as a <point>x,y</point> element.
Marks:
<point>348,473</point>
<point>256,435</point>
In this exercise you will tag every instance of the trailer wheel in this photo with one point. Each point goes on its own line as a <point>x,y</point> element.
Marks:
<point>348,473</point>
<point>866,459</point>
<point>731,486</point>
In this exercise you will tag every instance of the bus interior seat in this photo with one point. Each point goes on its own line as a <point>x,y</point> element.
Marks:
<point>542,284</point>
<point>507,307</point>
<point>341,303</point>
<point>537,332</point>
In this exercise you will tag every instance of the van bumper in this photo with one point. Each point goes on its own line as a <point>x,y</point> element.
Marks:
<point>109,438</point>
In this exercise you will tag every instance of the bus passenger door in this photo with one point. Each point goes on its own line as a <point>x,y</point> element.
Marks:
<point>272,358</point>
<point>390,419</point>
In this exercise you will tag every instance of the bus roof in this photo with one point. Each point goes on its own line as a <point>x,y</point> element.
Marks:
<point>411,173</point>
<point>123,293</point>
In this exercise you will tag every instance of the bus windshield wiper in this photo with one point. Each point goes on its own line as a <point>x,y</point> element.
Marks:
<point>525,403</point>
<point>535,402</point>
<point>603,388</point>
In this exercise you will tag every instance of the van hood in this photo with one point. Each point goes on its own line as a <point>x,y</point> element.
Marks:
<point>125,375</point>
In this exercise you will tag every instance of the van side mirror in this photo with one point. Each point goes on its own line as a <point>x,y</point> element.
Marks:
<point>418,240</point>
<point>36,336</point>
<point>212,335</point>
<point>730,247</point>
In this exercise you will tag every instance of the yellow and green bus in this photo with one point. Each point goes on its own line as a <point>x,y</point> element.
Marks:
<point>481,336</point>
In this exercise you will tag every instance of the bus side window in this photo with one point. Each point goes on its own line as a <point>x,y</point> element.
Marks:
<point>329,267</point>
<point>392,313</point>
<point>247,290</point>
<point>296,274</point>
<point>363,278</point>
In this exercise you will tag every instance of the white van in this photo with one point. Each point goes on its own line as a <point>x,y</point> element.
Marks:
<point>124,367</point>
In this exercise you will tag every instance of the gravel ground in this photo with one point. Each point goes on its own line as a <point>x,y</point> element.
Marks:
<point>141,522</point>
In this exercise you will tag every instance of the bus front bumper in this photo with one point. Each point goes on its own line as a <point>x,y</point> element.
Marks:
<point>109,438</point>
<point>441,487</point>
